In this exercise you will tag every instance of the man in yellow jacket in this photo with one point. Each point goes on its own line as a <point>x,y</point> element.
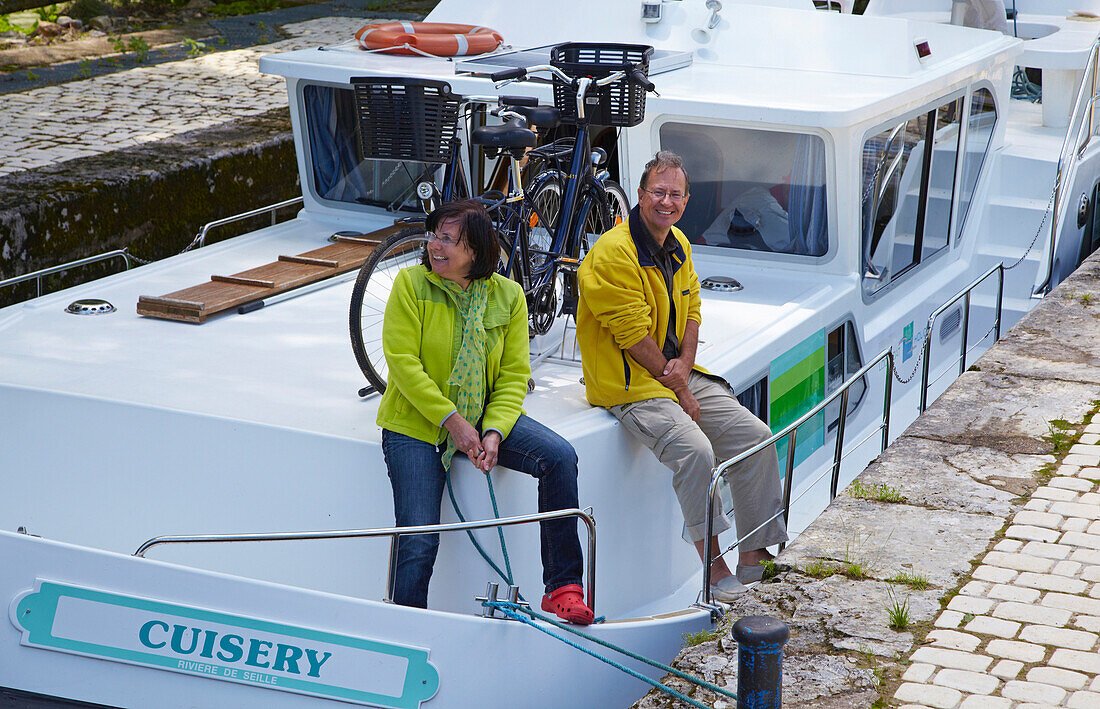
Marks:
<point>638,330</point>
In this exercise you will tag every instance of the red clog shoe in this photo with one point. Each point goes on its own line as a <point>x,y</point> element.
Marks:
<point>568,604</point>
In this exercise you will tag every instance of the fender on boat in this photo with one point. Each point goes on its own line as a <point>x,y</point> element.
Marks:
<point>441,39</point>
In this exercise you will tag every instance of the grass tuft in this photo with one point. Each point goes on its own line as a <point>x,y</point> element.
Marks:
<point>898,611</point>
<point>820,570</point>
<point>914,581</point>
<point>880,492</point>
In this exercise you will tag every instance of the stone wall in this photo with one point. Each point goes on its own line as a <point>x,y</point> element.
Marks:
<point>152,199</point>
<point>964,468</point>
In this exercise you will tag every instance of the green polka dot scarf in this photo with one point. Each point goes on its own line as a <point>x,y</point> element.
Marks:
<point>468,374</point>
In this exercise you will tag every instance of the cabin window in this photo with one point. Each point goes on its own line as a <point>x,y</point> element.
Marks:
<point>979,131</point>
<point>338,173</point>
<point>755,398</point>
<point>753,189</point>
<point>841,362</point>
<point>907,192</point>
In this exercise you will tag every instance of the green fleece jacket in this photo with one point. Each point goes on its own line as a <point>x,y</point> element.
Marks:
<point>421,335</point>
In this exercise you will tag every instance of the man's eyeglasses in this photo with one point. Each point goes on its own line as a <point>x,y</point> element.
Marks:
<point>445,240</point>
<point>661,194</point>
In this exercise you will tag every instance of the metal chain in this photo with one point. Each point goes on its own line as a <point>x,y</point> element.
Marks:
<point>894,365</point>
<point>1042,223</point>
<point>921,356</point>
<point>146,262</point>
<point>1050,203</point>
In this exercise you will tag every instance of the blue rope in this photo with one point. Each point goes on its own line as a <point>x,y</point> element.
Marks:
<point>506,608</point>
<point>621,650</point>
<point>1024,89</point>
<point>506,577</point>
<point>500,530</point>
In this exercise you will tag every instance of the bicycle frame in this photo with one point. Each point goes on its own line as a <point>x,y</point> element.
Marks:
<point>513,210</point>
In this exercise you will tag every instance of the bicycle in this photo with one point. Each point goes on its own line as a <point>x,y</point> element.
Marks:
<point>544,230</point>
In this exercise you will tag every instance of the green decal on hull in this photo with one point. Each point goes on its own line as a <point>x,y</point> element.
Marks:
<point>797,384</point>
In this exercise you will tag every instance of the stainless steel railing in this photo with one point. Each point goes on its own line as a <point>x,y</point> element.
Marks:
<point>1066,166</point>
<point>128,258</point>
<point>963,294</point>
<point>791,431</point>
<point>200,238</point>
<point>37,276</point>
<point>395,533</point>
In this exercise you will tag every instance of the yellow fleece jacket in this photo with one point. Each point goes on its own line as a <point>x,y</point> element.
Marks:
<point>622,299</point>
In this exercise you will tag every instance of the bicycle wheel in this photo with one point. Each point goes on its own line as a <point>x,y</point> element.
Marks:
<point>370,293</point>
<point>546,199</point>
<point>618,206</point>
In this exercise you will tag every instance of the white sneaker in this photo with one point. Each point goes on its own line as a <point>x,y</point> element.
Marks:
<point>727,589</point>
<point>747,573</point>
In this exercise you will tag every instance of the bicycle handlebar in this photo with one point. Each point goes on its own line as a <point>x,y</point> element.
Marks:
<point>629,72</point>
<point>638,77</point>
<point>517,73</point>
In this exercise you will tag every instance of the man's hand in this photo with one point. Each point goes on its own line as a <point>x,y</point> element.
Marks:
<point>464,435</point>
<point>490,448</point>
<point>688,403</point>
<point>675,375</point>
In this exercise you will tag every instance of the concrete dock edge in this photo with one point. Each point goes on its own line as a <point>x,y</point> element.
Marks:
<point>995,445</point>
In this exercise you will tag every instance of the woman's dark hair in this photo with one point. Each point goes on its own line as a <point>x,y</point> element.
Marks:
<point>476,230</point>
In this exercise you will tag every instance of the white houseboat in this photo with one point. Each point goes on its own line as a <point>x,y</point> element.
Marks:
<point>882,168</point>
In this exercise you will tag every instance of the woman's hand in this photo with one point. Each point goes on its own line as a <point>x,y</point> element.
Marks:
<point>490,448</point>
<point>464,435</point>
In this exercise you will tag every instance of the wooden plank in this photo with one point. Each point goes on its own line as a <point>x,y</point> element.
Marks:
<point>308,261</point>
<point>244,281</point>
<point>359,240</point>
<point>221,293</point>
<point>171,309</point>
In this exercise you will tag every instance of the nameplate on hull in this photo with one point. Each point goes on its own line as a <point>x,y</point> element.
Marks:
<point>222,646</point>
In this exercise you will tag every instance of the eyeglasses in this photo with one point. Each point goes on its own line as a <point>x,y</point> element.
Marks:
<point>661,194</point>
<point>445,240</point>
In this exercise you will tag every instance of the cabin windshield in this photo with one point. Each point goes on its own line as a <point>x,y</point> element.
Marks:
<point>911,198</point>
<point>338,172</point>
<point>753,189</point>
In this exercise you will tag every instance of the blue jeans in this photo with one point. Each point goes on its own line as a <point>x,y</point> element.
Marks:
<point>417,476</point>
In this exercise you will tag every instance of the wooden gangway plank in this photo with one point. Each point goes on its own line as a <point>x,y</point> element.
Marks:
<point>196,303</point>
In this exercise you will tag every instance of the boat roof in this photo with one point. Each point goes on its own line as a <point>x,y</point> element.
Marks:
<point>763,64</point>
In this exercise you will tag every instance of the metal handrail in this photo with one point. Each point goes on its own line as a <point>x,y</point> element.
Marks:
<point>37,276</point>
<point>1076,117</point>
<point>792,431</point>
<point>394,533</point>
<point>999,269</point>
<point>201,237</point>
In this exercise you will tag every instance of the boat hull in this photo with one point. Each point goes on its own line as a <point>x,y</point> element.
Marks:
<point>101,627</point>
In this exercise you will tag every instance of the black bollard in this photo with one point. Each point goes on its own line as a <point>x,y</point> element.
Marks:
<point>760,640</point>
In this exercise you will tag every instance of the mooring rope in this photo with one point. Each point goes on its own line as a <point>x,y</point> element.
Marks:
<point>513,610</point>
<point>506,575</point>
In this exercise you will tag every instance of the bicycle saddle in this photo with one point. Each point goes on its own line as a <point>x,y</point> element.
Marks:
<point>544,117</point>
<point>504,136</point>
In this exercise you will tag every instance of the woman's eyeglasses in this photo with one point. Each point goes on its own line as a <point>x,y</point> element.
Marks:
<point>445,240</point>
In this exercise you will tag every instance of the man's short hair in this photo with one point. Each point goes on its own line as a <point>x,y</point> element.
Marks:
<point>664,160</point>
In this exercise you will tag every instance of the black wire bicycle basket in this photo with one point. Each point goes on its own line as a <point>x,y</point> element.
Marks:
<point>618,104</point>
<point>405,119</point>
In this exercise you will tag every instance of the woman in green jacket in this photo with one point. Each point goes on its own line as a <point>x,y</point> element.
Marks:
<point>456,341</point>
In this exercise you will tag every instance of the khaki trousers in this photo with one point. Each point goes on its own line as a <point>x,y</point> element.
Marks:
<point>691,451</point>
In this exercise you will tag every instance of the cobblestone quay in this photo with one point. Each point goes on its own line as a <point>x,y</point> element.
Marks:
<point>1001,516</point>
<point>144,157</point>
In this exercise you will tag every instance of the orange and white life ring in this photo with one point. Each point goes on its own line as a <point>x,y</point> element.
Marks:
<point>441,39</point>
